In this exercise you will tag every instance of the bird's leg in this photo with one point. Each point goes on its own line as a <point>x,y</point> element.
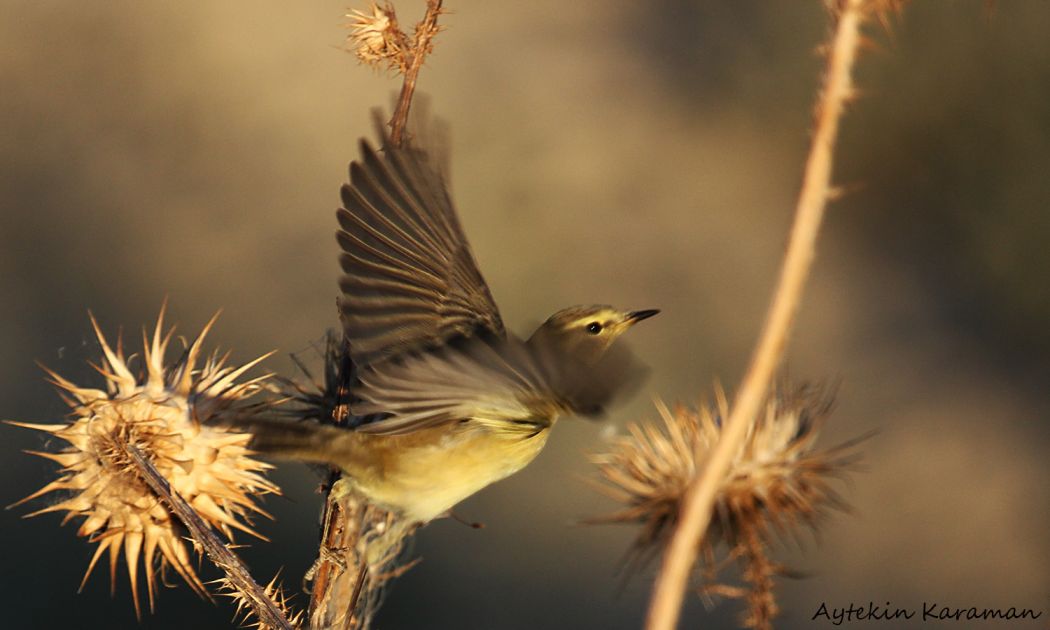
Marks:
<point>336,556</point>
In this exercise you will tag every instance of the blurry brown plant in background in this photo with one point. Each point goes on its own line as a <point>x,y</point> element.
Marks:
<point>702,492</point>
<point>777,483</point>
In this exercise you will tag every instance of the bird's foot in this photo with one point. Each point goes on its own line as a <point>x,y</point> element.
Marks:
<point>459,519</point>
<point>336,556</point>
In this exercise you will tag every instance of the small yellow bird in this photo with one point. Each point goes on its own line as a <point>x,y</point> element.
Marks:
<point>445,402</point>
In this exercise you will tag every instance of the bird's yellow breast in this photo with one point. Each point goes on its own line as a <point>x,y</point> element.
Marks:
<point>424,473</point>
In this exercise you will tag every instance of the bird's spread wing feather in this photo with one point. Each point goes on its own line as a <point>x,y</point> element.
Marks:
<point>410,280</point>
<point>497,382</point>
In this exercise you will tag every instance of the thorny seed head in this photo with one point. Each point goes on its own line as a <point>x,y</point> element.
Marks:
<point>775,483</point>
<point>376,39</point>
<point>165,410</point>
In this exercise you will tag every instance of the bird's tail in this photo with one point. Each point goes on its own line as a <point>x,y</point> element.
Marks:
<point>297,440</point>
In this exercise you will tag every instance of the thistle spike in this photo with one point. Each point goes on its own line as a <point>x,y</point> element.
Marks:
<point>185,383</point>
<point>147,561</point>
<point>91,566</point>
<point>132,547</point>
<point>126,379</point>
<point>114,558</point>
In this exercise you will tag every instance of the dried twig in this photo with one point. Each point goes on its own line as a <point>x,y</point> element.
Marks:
<point>422,46</point>
<point>758,572</point>
<point>695,515</point>
<point>338,577</point>
<point>345,592</point>
<point>269,614</point>
<point>358,540</point>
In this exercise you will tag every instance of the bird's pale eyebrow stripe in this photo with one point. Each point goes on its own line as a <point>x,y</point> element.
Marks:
<point>602,318</point>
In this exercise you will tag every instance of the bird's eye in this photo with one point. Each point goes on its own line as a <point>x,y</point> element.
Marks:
<point>594,328</point>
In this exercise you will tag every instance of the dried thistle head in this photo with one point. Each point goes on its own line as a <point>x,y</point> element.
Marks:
<point>165,411</point>
<point>376,38</point>
<point>776,482</point>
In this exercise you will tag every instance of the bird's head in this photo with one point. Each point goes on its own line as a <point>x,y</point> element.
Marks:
<point>586,332</point>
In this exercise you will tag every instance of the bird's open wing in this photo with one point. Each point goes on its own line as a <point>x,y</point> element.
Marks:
<point>410,279</point>
<point>502,383</point>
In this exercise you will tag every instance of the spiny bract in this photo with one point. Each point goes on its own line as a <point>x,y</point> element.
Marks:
<point>164,411</point>
<point>777,479</point>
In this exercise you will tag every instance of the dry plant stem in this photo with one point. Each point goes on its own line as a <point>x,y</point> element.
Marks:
<point>759,572</point>
<point>343,590</point>
<point>338,580</point>
<point>266,610</point>
<point>695,515</point>
<point>359,585</point>
<point>333,521</point>
<point>341,574</point>
<point>425,31</point>
<point>349,578</point>
<point>329,599</point>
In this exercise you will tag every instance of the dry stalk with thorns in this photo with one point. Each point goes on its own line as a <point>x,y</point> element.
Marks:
<point>361,544</point>
<point>698,495</point>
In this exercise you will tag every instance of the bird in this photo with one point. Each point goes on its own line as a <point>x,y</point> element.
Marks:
<point>444,400</point>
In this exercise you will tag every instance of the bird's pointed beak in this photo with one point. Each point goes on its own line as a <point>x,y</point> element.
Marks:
<point>636,316</point>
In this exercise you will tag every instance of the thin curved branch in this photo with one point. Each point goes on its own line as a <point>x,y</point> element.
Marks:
<point>669,589</point>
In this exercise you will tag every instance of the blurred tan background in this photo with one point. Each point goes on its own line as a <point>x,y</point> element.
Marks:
<point>640,154</point>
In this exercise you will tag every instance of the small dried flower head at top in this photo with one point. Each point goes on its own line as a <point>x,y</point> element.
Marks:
<point>376,39</point>
<point>165,411</point>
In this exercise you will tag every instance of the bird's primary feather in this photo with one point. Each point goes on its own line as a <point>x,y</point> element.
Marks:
<point>411,281</point>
